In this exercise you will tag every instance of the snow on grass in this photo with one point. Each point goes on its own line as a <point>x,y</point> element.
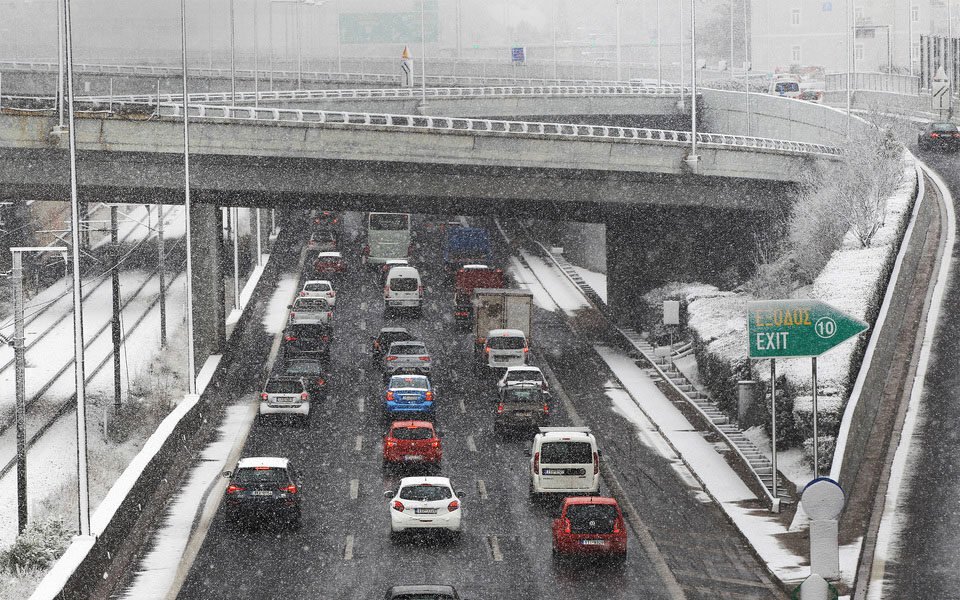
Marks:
<point>275,317</point>
<point>565,294</point>
<point>761,528</point>
<point>597,281</point>
<point>526,280</point>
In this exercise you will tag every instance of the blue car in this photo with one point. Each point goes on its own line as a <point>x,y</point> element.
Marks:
<point>406,394</point>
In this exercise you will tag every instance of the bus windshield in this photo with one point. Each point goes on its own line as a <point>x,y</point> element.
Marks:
<point>389,222</point>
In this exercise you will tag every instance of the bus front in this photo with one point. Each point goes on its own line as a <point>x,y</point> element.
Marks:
<point>388,237</point>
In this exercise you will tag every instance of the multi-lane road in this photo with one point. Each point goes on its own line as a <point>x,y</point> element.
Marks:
<point>343,549</point>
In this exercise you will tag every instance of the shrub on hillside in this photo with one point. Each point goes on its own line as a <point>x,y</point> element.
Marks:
<point>37,547</point>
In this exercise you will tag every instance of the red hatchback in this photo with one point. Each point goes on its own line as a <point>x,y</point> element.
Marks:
<point>329,263</point>
<point>412,442</point>
<point>590,525</point>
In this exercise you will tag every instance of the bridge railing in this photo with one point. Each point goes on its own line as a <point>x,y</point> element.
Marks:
<point>403,93</point>
<point>519,128</point>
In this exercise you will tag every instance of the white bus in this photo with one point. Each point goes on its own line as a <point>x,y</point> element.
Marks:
<point>388,237</point>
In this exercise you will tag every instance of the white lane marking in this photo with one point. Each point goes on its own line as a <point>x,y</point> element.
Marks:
<point>354,488</point>
<point>359,445</point>
<point>363,325</point>
<point>495,549</point>
<point>360,404</point>
<point>363,306</point>
<point>463,407</point>
<point>471,445</point>
<point>481,489</point>
<point>348,548</point>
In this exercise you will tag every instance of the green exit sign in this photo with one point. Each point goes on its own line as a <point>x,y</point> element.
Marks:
<point>797,328</point>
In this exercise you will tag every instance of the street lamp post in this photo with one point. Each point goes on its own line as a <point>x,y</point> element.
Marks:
<point>191,357</point>
<point>83,483</point>
<point>693,158</point>
<point>619,78</point>
<point>680,20</point>
<point>299,48</point>
<point>423,57</point>
<point>60,65</point>
<point>660,50</point>
<point>256,56</point>
<point>233,60</point>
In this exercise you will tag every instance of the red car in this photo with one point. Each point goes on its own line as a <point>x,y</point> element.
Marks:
<point>590,525</point>
<point>329,263</point>
<point>412,442</point>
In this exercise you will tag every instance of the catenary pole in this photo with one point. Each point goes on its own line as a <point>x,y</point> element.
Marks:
<point>17,276</point>
<point>191,357</point>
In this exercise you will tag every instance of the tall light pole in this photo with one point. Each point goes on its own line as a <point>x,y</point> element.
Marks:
<point>556,24</point>
<point>233,60</point>
<point>60,65</point>
<point>731,40</point>
<point>910,37</point>
<point>849,37</point>
<point>256,56</point>
<point>339,57</point>
<point>191,357</point>
<point>680,20</point>
<point>619,78</point>
<point>299,48</point>
<point>423,56</point>
<point>693,158</point>
<point>83,482</point>
<point>660,51</point>
<point>747,63</point>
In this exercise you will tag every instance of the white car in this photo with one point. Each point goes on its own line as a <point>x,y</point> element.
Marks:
<point>310,311</point>
<point>523,374</point>
<point>319,288</point>
<point>424,503</point>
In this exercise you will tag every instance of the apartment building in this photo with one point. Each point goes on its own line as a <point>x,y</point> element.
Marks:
<point>788,33</point>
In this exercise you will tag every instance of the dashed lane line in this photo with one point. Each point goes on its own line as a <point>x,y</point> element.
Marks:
<point>481,489</point>
<point>348,548</point>
<point>363,306</point>
<point>471,444</point>
<point>359,444</point>
<point>360,403</point>
<point>463,407</point>
<point>354,488</point>
<point>495,549</point>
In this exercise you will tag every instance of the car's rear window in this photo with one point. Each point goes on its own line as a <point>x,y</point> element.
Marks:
<point>412,433</point>
<point>425,493</point>
<point>409,381</point>
<point>404,284</point>
<point>566,453</point>
<point>281,386</point>
<point>260,475</point>
<point>305,333</point>
<point>591,518</point>
<point>423,596</point>
<point>408,349</point>
<point>523,394</point>
<point>787,86</point>
<point>524,376</point>
<point>308,304</point>
<point>394,336</point>
<point>303,367</point>
<point>944,127</point>
<point>507,343</point>
<point>317,287</point>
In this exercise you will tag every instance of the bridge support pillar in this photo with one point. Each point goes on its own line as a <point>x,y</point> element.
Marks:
<point>209,316</point>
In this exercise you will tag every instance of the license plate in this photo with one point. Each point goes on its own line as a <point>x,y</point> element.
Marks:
<point>425,511</point>
<point>523,415</point>
<point>413,457</point>
<point>552,472</point>
<point>262,493</point>
<point>593,542</point>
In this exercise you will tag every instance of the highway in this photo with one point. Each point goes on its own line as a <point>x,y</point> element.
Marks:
<point>343,548</point>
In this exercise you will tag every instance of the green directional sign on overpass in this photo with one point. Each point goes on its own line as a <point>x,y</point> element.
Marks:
<point>797,328</point>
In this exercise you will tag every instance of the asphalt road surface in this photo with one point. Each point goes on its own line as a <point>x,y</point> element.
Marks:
<point>343,549</point>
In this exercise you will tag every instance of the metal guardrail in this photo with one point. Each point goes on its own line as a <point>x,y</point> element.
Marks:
<point>403,93</point>
<point>519,128</point>
<point>874,82</point>
<point>331,76</point>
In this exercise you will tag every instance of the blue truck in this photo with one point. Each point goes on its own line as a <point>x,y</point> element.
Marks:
<point>467,245</point>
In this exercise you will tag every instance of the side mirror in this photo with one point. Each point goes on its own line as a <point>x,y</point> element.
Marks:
<point>389,494</point>
<point>459,493</point>
<point>289,306</point>
<point>227,474</point>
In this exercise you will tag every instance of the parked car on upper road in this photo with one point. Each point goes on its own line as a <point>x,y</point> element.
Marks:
<point>422,592</point>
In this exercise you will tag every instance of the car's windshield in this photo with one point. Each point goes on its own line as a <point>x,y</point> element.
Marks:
<point>408,349</point>
<point>409,381</point>
<point>566,453</point>
<point>404,284</point>
<point>507,343</point>
<point>389,221</point>
<point>425,493</point>
<point>412,433</point>
<point>284,386</point>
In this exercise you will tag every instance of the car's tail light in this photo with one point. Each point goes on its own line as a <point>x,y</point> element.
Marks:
<point>486,349</point>
<point>263,396</point>
<point>546,409</point>
<point>321,381</point>
<point>293,314</point>
<point>566,525</point>
<point>234,488</point>
<point>329,314</point>
<point>536,463</point>
<point>391,357</point>
<point>420,291</point>
<point>934,135</point>
<point>304,396</point>
<point>325,338</point>
<point>390,443</point>
<point>366,250</point>
<point>290,489</point>
<point>409,248</point>
<point>526,350</point>
<point>454,505</point>
<point>290,338</point>
<point>429,396</point>
<point>435,444</point>
<point>398,506</point>
<point>596,463</point>
<point>390,396</point>
<point>331,294</point>
<point>303,294</point>
<point>500,408</point>
<point>460,313</point>
<point>618,525</point>
<point>425,358</point>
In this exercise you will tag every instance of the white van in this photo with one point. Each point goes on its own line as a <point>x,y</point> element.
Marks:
<point>786,85</point>
<point>403,289</point>
<point>505,348</point>
<point>564,460</point>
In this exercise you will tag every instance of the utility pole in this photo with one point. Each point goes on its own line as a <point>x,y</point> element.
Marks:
<point>619,78</point>
<point>234,214</point>
<point>115,281</point>
<point>233,60</point>
<point>161,273</point>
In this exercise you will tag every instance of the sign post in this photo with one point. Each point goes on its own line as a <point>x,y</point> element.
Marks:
<point>796,329</point>
<point>518,55</point>
<point>671,318</point>
<point>940,91</point>
<point>406,67</point>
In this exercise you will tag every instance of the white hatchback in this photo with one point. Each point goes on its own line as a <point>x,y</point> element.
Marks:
<point>319,288</point>
<point>424,503</point>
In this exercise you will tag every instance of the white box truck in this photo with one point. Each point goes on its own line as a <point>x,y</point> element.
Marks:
<point>508,314</point>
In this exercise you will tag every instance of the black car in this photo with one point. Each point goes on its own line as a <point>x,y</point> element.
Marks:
<point>263,487</point>
<point>387,336</point>
<point>523,404</point>
<point>939,136</point>
<point>312,372</point>
<point>308,341</point>
<point>422,592</point>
